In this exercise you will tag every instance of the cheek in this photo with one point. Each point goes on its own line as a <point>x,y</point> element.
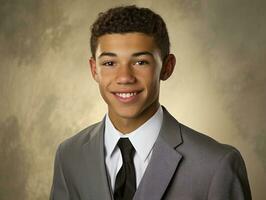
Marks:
<point>104,93</point>
<point>104,77</point>
<point>103,86</point>
<point>152,82</point>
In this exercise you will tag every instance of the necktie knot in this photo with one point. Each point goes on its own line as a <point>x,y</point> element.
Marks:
<point>127,149</point>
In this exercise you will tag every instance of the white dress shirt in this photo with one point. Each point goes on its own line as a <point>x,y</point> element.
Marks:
<point>143,139</point>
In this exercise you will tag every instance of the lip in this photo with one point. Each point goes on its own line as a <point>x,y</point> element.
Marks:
<point>127,96</point>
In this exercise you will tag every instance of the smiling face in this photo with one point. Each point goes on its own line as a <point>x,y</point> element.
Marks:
<point>128,69</point>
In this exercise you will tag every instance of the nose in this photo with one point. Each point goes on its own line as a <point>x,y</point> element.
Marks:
<point>125,75</point>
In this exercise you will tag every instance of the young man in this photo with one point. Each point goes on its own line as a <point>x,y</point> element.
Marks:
<point>139,151</point>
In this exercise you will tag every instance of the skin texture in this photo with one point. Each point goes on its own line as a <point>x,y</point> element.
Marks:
<point>130,63</point>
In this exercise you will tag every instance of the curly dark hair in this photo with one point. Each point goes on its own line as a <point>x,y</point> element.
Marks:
<point>127,19</point>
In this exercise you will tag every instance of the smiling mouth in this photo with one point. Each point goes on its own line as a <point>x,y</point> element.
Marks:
<point>125,95</point>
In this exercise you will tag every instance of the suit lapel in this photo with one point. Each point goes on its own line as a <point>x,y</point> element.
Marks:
<point>93,152</point>
<point>163,163</point>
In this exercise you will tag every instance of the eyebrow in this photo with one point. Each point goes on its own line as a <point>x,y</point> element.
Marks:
<point>142,53</point>
<point>107,54</point>
<point>134,54</point>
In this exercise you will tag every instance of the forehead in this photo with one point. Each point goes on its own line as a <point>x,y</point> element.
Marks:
<point>128,42</point>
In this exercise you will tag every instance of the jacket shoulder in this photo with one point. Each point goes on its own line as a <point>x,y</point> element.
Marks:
<point>76,141</point>
<point>201,145</point>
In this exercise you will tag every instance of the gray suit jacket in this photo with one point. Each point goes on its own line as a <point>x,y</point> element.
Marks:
<point>185,165</point>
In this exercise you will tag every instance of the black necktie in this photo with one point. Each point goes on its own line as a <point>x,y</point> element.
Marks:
<point>125,183</point>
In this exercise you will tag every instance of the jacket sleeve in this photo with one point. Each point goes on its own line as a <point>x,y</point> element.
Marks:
<point>230,179</point>
<point>59,188</point>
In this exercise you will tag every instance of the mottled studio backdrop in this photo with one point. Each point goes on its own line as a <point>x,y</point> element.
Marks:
<point>47,93</point>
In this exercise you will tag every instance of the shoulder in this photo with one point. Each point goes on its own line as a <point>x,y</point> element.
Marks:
<point>191,142</point>
<point>75,142</point>
<point>201,146</point>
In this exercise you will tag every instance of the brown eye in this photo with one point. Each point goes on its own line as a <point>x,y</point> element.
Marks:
<point>142,62</point>
<point>108,63</point>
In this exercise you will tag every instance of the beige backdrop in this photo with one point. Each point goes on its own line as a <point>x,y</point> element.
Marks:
<point>47,94</point>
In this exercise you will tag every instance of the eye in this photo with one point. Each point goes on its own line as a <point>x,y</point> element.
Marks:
<point>141,62</point>
<point>108,63</point>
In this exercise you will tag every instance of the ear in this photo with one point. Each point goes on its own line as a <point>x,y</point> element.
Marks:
<point>168,67</point>
<point>93,67</point>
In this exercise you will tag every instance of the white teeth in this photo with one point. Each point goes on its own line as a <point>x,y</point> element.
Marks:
<point>126,95</point>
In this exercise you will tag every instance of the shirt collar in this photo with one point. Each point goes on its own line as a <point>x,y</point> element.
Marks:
<point>143,138</point>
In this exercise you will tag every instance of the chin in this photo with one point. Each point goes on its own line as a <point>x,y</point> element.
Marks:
<point>127,112</point>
